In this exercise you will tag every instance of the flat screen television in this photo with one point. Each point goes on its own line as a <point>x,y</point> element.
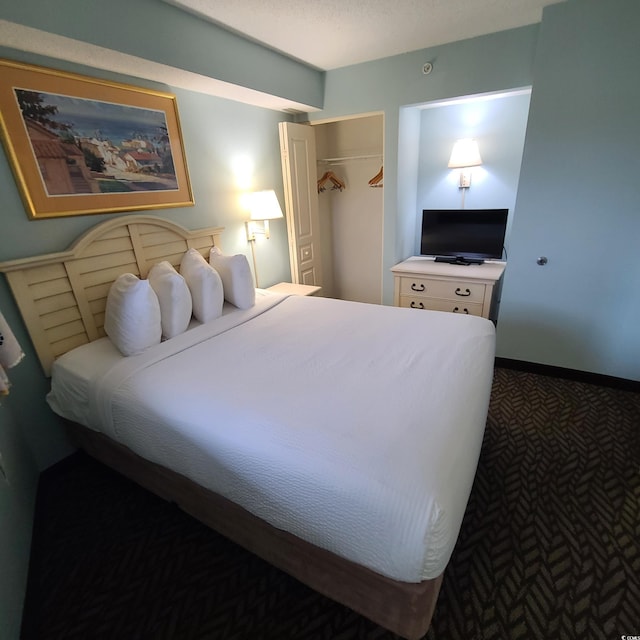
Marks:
<point>463,236</point>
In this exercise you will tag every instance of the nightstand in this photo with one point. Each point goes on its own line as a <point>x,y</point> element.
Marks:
<point>290,288</point>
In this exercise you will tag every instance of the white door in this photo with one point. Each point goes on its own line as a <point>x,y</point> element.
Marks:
<point>298,152</point>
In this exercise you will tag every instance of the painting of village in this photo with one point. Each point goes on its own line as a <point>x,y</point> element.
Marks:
<point>85,146</point>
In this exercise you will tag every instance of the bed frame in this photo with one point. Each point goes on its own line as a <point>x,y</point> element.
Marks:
<point>62,298</point>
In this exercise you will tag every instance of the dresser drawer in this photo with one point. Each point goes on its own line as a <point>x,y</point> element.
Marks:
<point>439,304</point>
<point>454,290</point>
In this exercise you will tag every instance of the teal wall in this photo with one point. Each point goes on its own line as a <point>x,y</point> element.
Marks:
<point>396,85</point>
<point>157,31</point>
<point>578,200</point>
<point>17,497</point>
<point>231,148</point>
<point>498,124</point>
<point>219,136</point>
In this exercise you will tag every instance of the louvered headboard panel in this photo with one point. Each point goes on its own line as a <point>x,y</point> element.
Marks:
<point>62,296</point>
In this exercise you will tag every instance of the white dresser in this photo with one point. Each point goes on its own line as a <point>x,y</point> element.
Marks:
<point>422,283</point>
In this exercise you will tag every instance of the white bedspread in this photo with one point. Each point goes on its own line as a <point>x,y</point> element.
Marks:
<point>355,427</point>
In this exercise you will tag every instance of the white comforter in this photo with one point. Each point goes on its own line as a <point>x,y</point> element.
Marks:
<point>355,427</point>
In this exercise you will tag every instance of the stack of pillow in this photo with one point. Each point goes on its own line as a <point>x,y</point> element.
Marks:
<point>141,313</point>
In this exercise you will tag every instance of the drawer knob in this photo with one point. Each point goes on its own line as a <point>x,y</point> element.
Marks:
<point>417,287</point>
<point>420,305</point>
<point>457,310</point>
<point>464,293</point>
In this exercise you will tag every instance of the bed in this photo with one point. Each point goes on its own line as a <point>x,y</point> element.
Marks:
<point>337,440</point>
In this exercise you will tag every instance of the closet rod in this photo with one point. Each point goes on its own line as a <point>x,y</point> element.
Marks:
<point>348,158</point>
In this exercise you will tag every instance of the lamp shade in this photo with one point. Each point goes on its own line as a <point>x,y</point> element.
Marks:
<point>10,355</point>
<point>264,205</point>
<point>10,351</point>
<point>465,153</point>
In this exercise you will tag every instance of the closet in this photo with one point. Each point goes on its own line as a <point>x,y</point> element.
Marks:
<point>334,205</point>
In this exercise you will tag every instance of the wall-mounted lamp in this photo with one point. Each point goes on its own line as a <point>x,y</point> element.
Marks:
<point>263,206</point>
<point>10,354</point>
<point>464,155</point>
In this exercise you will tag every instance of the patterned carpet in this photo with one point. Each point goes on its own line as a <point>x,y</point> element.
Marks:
<point>549,547</point>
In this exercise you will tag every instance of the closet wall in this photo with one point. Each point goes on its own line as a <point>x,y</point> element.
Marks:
<point>352,218</point>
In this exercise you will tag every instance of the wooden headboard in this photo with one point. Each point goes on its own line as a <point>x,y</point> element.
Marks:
<point>62,296</point>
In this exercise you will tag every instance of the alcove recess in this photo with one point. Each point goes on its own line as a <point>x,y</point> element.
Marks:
<point>352,218</point>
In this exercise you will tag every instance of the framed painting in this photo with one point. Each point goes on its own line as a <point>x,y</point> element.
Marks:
<point>79,145</point>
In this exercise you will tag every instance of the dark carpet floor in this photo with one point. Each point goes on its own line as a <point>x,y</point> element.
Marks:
<point>549,547</point>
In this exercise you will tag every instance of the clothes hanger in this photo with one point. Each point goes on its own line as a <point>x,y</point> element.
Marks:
<point>337,183</point>
<point>376,181</point>
<point>329,176</point>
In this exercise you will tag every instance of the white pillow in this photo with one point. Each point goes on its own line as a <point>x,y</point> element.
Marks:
<point>174,298</point>
<point>205,285</point>
<point>236,278</point>
<point>132,315</point>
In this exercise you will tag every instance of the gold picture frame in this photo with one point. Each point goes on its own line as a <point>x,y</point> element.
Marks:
<point>78,145</point>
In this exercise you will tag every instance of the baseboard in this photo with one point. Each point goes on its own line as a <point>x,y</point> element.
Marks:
<point>569,374</point>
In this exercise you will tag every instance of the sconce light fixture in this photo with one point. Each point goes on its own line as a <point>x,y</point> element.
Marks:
<point>10,355</point>
<point>263,206</point>
<point>464,155</point>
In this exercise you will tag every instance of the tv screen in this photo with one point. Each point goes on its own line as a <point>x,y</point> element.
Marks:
<point>463,235</point>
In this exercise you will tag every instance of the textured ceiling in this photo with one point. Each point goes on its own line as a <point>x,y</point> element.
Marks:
<point>337,33</point>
